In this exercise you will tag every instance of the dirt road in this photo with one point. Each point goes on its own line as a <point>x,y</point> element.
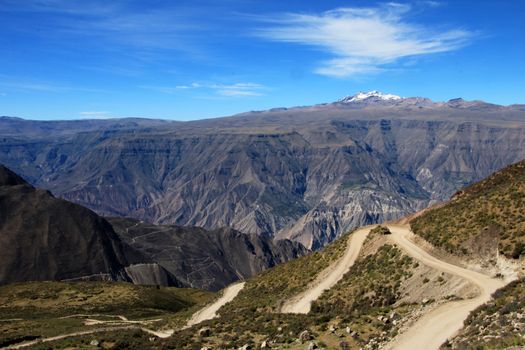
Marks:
<point>440,324</point>
<point>210,311</point>
<point>302,303</point>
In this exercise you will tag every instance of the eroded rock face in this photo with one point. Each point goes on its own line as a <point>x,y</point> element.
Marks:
<point>307,173</point>
<point>200,258</point>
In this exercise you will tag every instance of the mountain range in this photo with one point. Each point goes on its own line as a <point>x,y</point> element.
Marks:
<point>304,173</point>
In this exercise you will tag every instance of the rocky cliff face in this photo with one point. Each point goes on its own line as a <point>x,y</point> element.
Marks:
<point>204,259</point>
<point>306,173</point>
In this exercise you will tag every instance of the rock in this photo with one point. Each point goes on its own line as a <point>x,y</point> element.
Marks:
<point>205,332</point>
<point>279,329</point>
<point>312,346</point>
<point>94,342</point>
<point>205,348</point>
<point>348,330</point>
<point>344,345</point>
<point>425,301</point>
<point>304,336</point>
<point>245,347</point>
<point>394,315</point>
<point>265,345</point>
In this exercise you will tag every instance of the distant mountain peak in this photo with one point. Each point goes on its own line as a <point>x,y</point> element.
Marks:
<point>376,95</point>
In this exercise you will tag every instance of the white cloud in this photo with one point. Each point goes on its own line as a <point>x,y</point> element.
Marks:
<point>239,89</point>
<point>95,115</point>
<point>225,90</point>
<point>363,40</point>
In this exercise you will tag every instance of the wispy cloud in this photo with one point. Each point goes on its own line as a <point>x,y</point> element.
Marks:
<point>225,90</point>
<point>123,24</point>
<point>95,115</point>
<point>239,89</point>
<point>34,86</point>
<point>24,84</point>
<point>363,40</point>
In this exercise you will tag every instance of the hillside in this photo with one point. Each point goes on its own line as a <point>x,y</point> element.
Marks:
<point>46,238</point>
<point>481,220</point>
<point>306,173</point>
<point>205,259</point>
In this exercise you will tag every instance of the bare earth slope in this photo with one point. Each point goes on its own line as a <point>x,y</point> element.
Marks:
<point>210,311</point>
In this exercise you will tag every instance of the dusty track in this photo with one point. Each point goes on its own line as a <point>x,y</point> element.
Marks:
<point>434,328</point>
<point>302,303</point>
<point>210,311</point>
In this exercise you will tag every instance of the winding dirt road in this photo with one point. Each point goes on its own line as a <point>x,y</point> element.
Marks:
<point>302,303</point>
<point>210,311</point>
<point>440,324</point>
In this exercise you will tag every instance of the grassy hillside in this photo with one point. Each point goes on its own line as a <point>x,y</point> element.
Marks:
<point>40,309</point>
<point>490,212</point>
<point>272,287</point>
<point>372,289</point>
<point>499,324</point>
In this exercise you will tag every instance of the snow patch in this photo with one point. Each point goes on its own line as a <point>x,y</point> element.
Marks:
<point>361,96</point>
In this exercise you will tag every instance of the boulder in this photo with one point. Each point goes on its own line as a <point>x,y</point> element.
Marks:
<point>304,336</point>
<point>205,332</point>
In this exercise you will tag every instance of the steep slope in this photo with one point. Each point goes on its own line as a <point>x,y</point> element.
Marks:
<point>43,238</point>
<point>204,259</point>
<point>482,220</point>
<point>307,173</point>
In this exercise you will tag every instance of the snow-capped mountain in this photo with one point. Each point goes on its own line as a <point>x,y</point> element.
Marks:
<point>376,95</point>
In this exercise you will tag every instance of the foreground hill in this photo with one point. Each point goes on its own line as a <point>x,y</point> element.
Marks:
<point>481,220</point>
<point>204,259</point>
<point>307,173</point>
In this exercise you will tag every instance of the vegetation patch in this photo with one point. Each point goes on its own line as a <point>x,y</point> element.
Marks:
<point>380,230</point>
<point>498,324</point>
<point>34,310</point>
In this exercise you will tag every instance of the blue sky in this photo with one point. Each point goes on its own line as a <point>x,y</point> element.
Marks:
<point>183,60</point>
